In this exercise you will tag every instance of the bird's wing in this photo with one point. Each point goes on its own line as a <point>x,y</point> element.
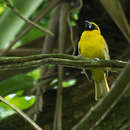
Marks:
<point>106,55</point>
<point>106,51</point>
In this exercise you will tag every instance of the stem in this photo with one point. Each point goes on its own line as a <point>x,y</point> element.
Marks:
<point>21,114</point>
<point>27,20</point>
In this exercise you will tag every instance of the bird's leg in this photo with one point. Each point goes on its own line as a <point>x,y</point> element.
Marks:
<point>86,75</point>
<point>84,72</point>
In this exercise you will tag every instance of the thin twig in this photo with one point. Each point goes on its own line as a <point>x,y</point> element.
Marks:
<point>57,123</point>
<point>59,99</point>
<point>21,114</point>
<point>73,8</point>
<point>125,125</point>
<point>21,52</point>
<point>41,14</point>
<point>38,103</point>
<point>27,20</point>
<point>62,35</point>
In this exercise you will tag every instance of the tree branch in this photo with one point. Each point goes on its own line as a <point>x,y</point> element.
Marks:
<point>65,8</point>
<point>41,14</point>
<point>105,105</point>
<point>75,6</point>
<point>27,20</point>
<point>14,63</point>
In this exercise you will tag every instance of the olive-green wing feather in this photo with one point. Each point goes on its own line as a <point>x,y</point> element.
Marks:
<point>106,51</point>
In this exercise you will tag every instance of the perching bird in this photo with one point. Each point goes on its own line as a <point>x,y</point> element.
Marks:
<point>93,45</point>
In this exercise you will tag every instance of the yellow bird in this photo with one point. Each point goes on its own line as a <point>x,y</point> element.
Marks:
<point>93,45</point>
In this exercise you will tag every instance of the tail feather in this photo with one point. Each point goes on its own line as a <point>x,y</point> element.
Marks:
<point>101,86</point>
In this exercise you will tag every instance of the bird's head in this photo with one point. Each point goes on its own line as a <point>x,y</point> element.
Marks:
<point>90,26</point>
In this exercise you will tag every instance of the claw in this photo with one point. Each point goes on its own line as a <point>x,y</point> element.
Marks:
<point>96,59</point>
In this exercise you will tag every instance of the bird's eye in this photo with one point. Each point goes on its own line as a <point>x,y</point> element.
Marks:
<point>94,27</point>
<point>90,26</point>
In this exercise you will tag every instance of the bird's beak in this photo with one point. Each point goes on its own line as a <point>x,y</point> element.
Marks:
<point>88,24</point>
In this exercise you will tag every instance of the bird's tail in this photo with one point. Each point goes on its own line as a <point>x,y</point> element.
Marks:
<point>101,85</point>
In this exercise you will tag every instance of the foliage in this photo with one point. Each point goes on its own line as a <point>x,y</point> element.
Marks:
<point>19,83</point>
<point>21,102</point>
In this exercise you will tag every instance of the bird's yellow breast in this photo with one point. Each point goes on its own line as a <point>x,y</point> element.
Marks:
<point>91,44</point>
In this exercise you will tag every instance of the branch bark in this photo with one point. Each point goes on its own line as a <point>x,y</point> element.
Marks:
<point>15,63</point>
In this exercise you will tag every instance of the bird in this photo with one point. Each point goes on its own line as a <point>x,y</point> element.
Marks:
<point>93,45</point>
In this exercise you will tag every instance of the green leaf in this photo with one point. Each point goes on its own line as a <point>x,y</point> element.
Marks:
<point>65,84</point>
<point>21,102</point>
<point>11,24</point>
<point>34,74</point>
<point>69,83</point>
<point>2,7</point>
<point>14,84</point>
<point>34,33</point>
<point>31,35</point>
